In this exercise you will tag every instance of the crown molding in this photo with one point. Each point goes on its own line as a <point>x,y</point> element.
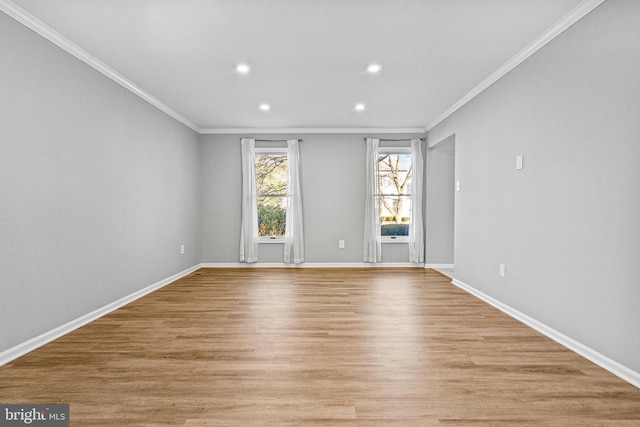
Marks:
<point>551,33</point>
<point>30,21</point>
<point>227,131</point>
<point>25,18</point>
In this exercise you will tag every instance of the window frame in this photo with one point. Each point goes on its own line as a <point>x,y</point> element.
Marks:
<point>403,151</point>
<point>278,151</point>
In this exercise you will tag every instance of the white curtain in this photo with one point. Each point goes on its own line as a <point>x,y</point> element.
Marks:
<point>293,234</point>
<point>416,230</point>
<point>249,215</point>
<point>372,238</point>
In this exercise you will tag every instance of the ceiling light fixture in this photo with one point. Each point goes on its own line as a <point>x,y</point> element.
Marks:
<point>360,107</point>
<point>265,107</point>
<point>374,68</point>
<point>243,68</point>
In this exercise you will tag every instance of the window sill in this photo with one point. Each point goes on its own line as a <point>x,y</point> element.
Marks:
<point>269,240</point>
<point>398,239</point>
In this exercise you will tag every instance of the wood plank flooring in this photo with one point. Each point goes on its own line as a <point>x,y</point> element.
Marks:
<point>316,347</point>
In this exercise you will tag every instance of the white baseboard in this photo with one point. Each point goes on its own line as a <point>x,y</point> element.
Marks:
<point>42,339</point>
<point>599,359</point>
<point>312,265</point>
<point>621,371</point>
<point>439,266</point>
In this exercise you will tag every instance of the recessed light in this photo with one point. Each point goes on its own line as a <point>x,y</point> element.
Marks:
<point>374,68</point>
<point>360,107</point>
<point>265,107</point>
<point>243,68</point>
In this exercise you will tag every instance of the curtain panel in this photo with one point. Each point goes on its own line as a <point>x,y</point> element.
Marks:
<point>294,232</point>
<point>249,214</point>
<point>372,237</point>
<point>416,230</point>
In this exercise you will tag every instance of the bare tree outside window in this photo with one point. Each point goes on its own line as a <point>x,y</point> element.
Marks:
<point>271,187</point>
<point>394,181</point>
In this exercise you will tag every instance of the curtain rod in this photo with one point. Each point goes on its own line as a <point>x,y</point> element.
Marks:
<point>401,139</point>
<point>275,140</point>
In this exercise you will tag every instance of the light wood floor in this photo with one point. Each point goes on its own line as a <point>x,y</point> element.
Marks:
<point>316,347</point>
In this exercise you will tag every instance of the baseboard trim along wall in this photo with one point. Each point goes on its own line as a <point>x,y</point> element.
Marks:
<point>599,359</point>
<point>439,266</point>
<point>313,265</point>
<point>42,339</point>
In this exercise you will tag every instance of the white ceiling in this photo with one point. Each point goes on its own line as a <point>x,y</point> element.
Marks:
<point>307,57</point>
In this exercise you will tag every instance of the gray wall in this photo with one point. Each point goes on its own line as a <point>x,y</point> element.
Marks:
<point>98,189</point>
<point>333,199</point>
<point>567,225</point>
<point>440,202</point>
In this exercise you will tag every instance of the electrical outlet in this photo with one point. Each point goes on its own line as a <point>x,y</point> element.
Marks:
<point>341,244</point>
<point>181,249</point>
<point>457,185</point>
<point>503,270</point>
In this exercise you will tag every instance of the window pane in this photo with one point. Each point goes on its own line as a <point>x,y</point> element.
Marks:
<point>271,174</point>
<point>395,212</point>
<point>394,181</point>
<point>272,215</point>
<point>394,173</point>
<point>271,187</point>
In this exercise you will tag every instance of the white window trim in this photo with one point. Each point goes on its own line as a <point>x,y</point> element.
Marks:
<point>395,150</point>
<point>271,150</point>
<point>270,239</point>
<point>394,239</point>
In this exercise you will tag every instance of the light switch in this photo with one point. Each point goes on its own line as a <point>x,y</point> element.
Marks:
<point>519,162</point>
<point>457,185</point>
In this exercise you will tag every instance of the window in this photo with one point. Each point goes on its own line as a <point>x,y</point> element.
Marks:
<point>271,205</point>
<point>271,192</point>
<point>394,186</point>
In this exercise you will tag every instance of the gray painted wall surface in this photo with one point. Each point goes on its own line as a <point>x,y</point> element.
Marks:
<point>98,189</point>
<point>567,225</point>
<point>333,199</point>
<point>440,202</point>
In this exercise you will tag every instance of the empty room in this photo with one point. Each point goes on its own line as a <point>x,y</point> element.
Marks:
<point>320,213</point>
